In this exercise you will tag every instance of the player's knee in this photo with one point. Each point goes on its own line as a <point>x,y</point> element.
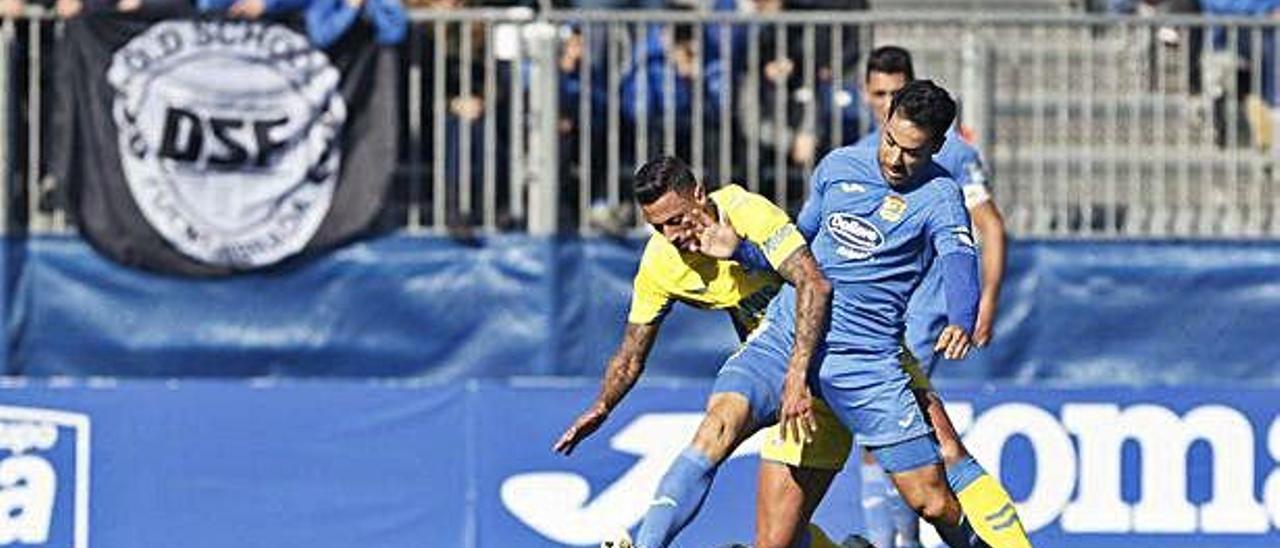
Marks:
<point>952,451</point>
<point>938,507</point>
<point>716,434</point>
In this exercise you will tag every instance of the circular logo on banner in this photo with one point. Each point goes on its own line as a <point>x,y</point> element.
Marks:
<point>228,135</point>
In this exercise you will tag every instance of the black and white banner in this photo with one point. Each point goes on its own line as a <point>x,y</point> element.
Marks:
<point>209,146</point>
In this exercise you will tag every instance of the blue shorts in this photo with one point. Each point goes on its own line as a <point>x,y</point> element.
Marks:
<point>870,395</point>
<point>756,371</point>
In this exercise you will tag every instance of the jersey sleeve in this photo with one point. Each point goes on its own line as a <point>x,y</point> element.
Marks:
<point>948,223</point>
<point>649,301</point>
<point>764,224</point>
<point>972,176</point>
<point>810,217</point>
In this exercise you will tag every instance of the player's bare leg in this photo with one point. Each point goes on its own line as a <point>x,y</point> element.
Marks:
<point>683,488</point>
<point>925,490</point>
<point>949,444</point>
<point>786,497</point>
<point>726,424</point>
<point>982,499</point>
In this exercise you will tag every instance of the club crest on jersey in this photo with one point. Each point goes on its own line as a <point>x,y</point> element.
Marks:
<point>858,239</point>
<point>893,208</point>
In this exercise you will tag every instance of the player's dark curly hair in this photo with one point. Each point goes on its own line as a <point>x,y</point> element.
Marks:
<point>660,175</point>
<point>891,60</point>
<point>926,105</point>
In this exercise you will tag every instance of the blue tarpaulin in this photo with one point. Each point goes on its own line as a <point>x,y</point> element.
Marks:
<point>1071,312</point>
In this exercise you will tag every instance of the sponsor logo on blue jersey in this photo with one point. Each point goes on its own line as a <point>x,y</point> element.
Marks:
<point>858,238</point>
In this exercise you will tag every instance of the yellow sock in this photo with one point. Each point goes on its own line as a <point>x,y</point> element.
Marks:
<point>818,538</point>
<point>992,515</point>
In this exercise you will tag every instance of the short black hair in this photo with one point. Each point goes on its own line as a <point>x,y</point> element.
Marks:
<point>661,174</point>
<point>925,104</point>
<point>891,60</point>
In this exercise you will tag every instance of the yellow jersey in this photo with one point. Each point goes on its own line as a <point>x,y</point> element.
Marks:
<point>667,275</point>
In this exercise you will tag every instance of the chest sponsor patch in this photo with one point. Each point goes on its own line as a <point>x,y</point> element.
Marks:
<point>857,238</point>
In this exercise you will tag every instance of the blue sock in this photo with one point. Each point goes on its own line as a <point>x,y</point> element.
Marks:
<point>890,522</point>
<point>906,523</point>
<point>876,503</point>
<point>963,473</point>
<point>679,497</point>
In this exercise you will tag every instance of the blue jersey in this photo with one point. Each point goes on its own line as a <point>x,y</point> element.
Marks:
<point>926,313</point>
<point>875,243</point>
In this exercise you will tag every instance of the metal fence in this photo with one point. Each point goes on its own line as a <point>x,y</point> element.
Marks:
<point>1091,126</point>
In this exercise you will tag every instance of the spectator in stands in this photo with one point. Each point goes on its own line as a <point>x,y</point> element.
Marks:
<point>66,9</point>
<point>251,9</point>
<point>1189,38</point>
<point>645,98</point>
<point>10,9</point>
<point>574,78</point>
<point>327,20</point>
<point>1260,105</point>
<point>465,113</point>
<point>808,106</point>
<point>674,47</point>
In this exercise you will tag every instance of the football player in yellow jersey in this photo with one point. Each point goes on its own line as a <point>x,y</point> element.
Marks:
<point>676,266</point>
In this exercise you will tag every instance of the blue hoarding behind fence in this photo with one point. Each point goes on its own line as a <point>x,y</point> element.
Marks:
<point>1085,313</point>
<point>205,464</point>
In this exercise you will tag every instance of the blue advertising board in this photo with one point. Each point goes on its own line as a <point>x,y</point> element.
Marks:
<point>212,464</point>
<point>1086,313</point>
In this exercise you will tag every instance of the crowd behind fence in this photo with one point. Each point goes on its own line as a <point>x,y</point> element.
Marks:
<point>1091,126</point>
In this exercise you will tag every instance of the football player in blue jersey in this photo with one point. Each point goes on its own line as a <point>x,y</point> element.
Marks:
<point>878,220</point>
<point>890,522</point>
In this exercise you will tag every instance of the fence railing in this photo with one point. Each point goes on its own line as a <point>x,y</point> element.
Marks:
<point>1090,126</point>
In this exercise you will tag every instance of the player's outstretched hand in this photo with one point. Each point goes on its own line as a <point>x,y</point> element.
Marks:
<point>796,417</point>
<point>587,423</point>
<point>954,343</point>
<point>716,239</point>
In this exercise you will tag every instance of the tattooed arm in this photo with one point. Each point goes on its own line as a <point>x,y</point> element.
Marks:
<point>623,371</point>
<point>813,306</point>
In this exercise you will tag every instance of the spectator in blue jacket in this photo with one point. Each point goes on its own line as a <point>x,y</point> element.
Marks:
<point>327,20</point>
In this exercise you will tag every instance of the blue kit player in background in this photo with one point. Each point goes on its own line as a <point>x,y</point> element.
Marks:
<point>891,523</point>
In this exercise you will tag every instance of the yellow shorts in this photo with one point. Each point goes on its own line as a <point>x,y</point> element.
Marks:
<point>828,451</point>
<point>919,381</point>
<point>832,442</point>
